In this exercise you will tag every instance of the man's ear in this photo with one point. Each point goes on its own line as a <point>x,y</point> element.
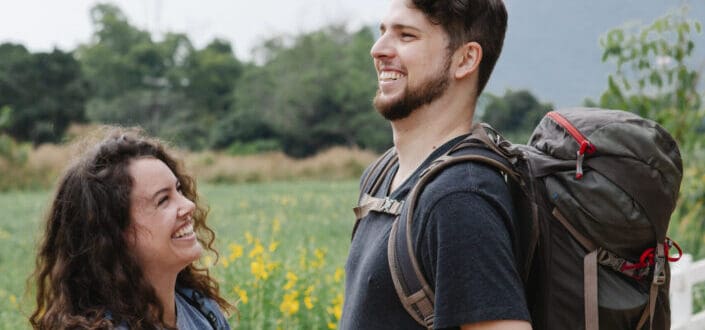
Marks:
<point>468,60</point>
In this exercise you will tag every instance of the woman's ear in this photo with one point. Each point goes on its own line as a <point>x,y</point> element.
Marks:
<point>469,56</point>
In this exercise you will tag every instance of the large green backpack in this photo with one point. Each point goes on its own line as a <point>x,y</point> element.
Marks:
<point>594,191</point>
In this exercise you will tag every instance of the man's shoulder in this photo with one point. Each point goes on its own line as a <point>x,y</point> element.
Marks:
<point>465,177</point>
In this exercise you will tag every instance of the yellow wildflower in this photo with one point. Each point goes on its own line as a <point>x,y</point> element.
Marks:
<point>337,308</point>
<point>332,325</point>
<point>271,266</point>
<point>308,299</point>
<point>308,302</point>
<point>248,237</point>
<point>319,253</point>
<point>257,250</point>
<point>235,251</point>
<point>242,294</point>
<point>291,280</point>
<point>273,246</point>
<point>290,303</point>
<point>259,270</point>
<point>224,262</point>
<point>338,276</point>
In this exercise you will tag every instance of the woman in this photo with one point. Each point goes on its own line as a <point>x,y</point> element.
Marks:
<point>122,237</point>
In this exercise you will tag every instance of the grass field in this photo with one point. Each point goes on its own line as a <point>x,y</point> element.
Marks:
<point>282,251</point>
<point>283,247</point>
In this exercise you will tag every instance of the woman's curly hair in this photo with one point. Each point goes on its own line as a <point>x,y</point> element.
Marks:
<point>84,270</point>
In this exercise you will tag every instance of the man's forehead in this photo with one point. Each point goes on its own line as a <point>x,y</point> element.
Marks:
<point>402,13</point>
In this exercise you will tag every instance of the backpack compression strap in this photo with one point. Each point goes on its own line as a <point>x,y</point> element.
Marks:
<point>370,183</point>
<point>415,293</point>
<point>596,256</point>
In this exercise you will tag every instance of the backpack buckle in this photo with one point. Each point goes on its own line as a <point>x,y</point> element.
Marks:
<point>387,204</point>
<point>659,265</point>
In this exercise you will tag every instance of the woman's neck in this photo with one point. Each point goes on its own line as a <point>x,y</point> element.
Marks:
<point>165,288</point>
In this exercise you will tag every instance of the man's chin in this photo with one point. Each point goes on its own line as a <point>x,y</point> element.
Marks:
<point>392,110</point>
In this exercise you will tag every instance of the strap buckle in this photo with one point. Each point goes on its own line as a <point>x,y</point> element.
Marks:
<point>387,204</point>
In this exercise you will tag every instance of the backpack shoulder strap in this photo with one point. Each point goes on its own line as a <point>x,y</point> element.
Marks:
<point>369,185</point>
<point>206,306</point>
<point>414,291</point>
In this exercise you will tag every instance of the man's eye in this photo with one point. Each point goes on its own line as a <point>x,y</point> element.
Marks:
<point>162,200</point>
<point>407,36</point>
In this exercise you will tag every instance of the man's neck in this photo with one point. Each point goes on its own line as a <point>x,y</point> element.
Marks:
<point>426,129</point>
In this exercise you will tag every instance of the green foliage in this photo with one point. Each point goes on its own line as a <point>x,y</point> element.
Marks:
<point>46,91</point>
<point>238,148</point>
<point>653,76</point>
<point>315,90</point>
<point>168,87</point>
<point>515,114</point>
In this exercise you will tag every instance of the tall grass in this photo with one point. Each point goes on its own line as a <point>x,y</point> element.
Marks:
<point>43,164</point>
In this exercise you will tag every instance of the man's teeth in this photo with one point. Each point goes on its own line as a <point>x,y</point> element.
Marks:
<point>186,230</point>
<point>390,75</point>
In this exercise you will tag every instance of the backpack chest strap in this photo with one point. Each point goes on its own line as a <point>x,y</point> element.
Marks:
<point>383,205</point>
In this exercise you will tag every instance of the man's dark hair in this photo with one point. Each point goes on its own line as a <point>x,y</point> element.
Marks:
<point>482,21</point>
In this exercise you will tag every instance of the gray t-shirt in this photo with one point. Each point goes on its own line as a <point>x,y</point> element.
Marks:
<point>463,245</point>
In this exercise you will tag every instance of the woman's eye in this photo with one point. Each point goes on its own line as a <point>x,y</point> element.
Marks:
<point>407,36</point>
<point>162,200</point>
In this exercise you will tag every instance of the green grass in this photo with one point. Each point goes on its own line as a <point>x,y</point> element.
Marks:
<point>304,228</point>
<point>283,245</point>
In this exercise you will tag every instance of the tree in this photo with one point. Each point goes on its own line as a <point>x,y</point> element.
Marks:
<point>315,91</point>
<point>653,76</point>
<point>115,60</point>
<point>211,74</point>
<point>516,113</point>
<point>45,90</point>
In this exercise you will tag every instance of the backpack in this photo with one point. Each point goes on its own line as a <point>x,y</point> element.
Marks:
<point>593,190</point>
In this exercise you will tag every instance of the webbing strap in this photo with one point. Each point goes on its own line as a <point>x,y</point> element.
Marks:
<point>372,181</point>
<point>592,321</point>
<point>384,205</point>
<point>584,241</point>
<point>658,280</point>
<point>417,302</point>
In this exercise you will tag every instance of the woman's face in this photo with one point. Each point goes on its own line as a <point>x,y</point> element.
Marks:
<point>163,239</point>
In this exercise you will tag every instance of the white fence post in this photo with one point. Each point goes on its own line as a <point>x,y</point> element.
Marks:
<point>681,291</point>
<point>686,273</point>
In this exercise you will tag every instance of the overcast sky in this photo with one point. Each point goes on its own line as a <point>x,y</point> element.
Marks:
<point>40,24</point>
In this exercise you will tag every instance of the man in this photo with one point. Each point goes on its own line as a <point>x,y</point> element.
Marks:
<point>433,59</point>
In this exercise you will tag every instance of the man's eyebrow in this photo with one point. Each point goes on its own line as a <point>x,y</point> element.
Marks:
<point>398,26</point>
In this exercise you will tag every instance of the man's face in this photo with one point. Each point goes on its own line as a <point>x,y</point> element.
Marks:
<point>412,61</point>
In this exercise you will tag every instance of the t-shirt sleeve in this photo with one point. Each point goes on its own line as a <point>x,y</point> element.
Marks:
<point>467,253</point>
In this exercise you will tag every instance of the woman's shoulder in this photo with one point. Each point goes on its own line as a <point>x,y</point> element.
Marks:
<point>206,306</point>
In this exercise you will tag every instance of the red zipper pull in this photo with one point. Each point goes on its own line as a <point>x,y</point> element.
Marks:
<point>585,145</point>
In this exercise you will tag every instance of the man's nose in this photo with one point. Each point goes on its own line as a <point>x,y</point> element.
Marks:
<point>382,48</point>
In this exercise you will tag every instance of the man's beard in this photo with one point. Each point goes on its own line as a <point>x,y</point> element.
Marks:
<point>411,99</point>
